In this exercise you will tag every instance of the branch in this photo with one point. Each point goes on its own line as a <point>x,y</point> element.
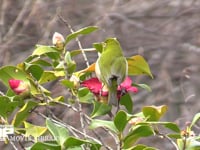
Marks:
<point>68,127</point>
<point>77,39</point>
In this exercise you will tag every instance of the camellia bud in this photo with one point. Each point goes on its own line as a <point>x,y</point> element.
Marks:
<point>136,120</point>
<point>75,80</point>
<point>58,40</point>
<point>19,87</point>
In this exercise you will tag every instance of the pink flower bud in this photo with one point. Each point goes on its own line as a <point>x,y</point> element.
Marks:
<point>58,40</point>
<point>19,87</point>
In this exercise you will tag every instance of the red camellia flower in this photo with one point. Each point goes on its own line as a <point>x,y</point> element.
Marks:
<point>19,86</point>
<point>95,86</point>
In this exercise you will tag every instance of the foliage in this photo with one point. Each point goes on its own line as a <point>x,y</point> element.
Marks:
<point>54,63</point>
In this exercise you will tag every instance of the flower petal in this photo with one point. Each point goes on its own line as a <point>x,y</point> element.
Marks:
<point>132,89</point>
<point>127,83</point>
<point>14,83</point>
<point>92,84</point>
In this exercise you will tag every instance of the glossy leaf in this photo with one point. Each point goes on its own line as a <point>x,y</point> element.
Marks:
<point>23,113</point>
<point>195,119</point>
<point>75,52</point>
<point>59,99</point>
<point>35,70</point>
<point>144,86</point>
<point>67,83</point>
<point>83,31</point>
<point>121,120</point>
<point>170,125</point>
<point>174,136</point>
<point>33,130</point>
<point>100,109</point>
<point>42,49</point>
<point>59,132</point>
<point>71,64</point>
<point>137,65</point>
<point>7,106</point>
<point>41,63</point>
<point>137,132</point>
<point>48,76</point>
<point>11,72</point>
<point>96,123</point>
<point>85,96</point>
<point>45,145</point>
<point>126,101</point>
<point>74,142</point>
<point>154,113</point>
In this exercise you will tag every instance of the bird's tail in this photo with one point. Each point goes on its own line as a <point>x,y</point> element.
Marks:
<point>112,96</point>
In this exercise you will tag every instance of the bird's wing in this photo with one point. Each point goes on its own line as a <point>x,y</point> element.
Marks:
<point>119,69</point>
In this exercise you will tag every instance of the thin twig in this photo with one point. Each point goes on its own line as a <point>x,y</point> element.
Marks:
<point>77,39</point>
<point>67,126</point>
<point>18,20</point>
<point>109,132</point>
<point>98,136</point>
<point>169,139</point>
<point>13,145</point>
<point>67,105</point>
<point>1,93</point>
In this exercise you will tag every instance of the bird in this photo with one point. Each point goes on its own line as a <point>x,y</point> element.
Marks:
<point>111,68</point>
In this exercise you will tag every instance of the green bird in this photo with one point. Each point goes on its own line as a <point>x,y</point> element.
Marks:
<point>111,68</point>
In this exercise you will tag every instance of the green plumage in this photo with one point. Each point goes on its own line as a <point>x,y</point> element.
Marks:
<point>111,68</point>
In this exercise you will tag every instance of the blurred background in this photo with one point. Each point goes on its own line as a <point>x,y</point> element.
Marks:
<point>165,32</point>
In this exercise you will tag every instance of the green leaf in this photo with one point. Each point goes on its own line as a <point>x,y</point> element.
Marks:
<point>85,96</point>
<point>100,109</point>
<point>11,72</point>
<point>7,106</point>
<point>137,132</point>
<point>83,31</point>
<point>33,130</point>
<point>35,70</point>
<point>137,65</point>
<point>96,123</point>
<point>42,49</point>
<point>75,52</point>
<point>144,86</point>
<point>45,146</point>
<point>174,136</point>
<point>98,47</point>
<point>71,64</point>
<point>74,142</point>
<point>41,63</point>
<point>172,126</point>
<point>154,113</point>
<point>48,76</point>
<point>59,132</point>
<point>59,99</point>
<point>121,120</point>
<point>68,83</point>
<point>126,101</point>
<point>195,119</point>
<point>23,113</point>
